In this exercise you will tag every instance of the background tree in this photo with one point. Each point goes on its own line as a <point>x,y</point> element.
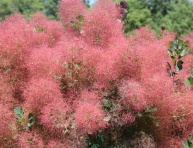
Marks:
<point>51,8</point>
<point>180,17</point>
<point>174,15</point>
<point>137,15</point>
<point>5,8</point>
<point>27,7</point>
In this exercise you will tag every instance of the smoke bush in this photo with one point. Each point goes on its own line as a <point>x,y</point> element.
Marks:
<point>81,81</point>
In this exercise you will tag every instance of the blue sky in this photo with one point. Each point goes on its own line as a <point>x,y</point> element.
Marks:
<point>91,2</point>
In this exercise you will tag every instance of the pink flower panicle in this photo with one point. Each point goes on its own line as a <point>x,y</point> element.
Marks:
<point>70,10</point>
<point>39,92</point>
<point>44,65</point>
<point>46,32</point>
<point>8,126</point>
<point>30,140</point>
<point>91,116</point>
<point>55,116</point>
<point>133,95</point>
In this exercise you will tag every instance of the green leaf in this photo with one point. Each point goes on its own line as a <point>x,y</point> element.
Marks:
<point>191,145</point>
<point>190,80</point>
<point>39,29</point>
<point>187,83</point>
<point>21,120</point>
<point>95,146</point>
<point>151,109</point>
<point>179,65</point>
<point>31,120</point>
<point>169,65</point>
<point>185,144</point>
<point>30,116</point>
<point>106,103</point>
<point>76,26</point>
<point>192,72</point>
<point>19,112</point>
<point>184,52</point>
<point>190,138</point>
<point>173,58</point>
<point>80,18</point>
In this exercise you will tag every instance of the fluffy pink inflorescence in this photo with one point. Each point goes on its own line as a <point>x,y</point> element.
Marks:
<point>6,91</point>
<point>44,62</point>
<point>127,118</point>
<point>8,127</point>
<point>47,32</point>
<point>153,59</point>
<point>39,92</point>
<point>174,115</point>
<point>133,95</point>
<point>89,96</point>
<point>184,114</point>
<point>189,38</point>
<point>143,36</point>
<point>69,10</point>
<point>97,28</point>
<point>128,65</point>
<point>160,85</point>
<point>108,8</point>
<point>91,116</point>
<point>16,38</point>
<point>30,140</point>
<point>55,116</point>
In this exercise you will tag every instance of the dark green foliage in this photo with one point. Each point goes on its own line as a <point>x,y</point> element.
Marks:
<point>18,112</point>
<point>147,113</point>
<point>188,82</point>
<point>137,15</point>
<point>6,8</point>
<point>174,15</point>
<point>31,120</point>
<point>178,49</point>
<point>189,142</point>
<point>95,141</point>
<point>179,17</point>
<point>28,7</point>
<point>51,8</point>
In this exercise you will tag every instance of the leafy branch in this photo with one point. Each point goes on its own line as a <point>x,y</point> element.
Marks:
<point>19,113</point>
